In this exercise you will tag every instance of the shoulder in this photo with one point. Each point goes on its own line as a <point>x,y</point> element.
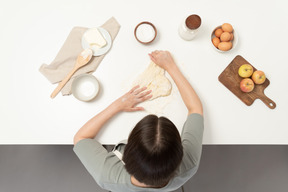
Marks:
<point>103,166</point>
<point>195,117</point>
<point>194,123</point>
<point>192,136</point>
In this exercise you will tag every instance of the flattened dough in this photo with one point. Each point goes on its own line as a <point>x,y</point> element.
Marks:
<point>154,79</point>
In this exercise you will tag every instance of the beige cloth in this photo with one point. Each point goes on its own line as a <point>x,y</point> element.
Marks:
<point>66,57</point>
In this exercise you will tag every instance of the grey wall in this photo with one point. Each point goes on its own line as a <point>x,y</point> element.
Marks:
<point>236,168</point>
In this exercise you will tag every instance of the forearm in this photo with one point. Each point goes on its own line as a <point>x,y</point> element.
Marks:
<point>127,103</point>
<point>94,125</point>
<point>188,94</point>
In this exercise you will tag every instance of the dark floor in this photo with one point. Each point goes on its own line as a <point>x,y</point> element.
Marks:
<point>224,168</point>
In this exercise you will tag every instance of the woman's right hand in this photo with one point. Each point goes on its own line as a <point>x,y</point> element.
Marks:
<point>135,96</point>
<point>163,59</point>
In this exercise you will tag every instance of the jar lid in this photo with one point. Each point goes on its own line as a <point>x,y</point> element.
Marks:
<point>193,22</point>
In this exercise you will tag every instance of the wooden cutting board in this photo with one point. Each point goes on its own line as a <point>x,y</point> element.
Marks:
<point>230,79</point>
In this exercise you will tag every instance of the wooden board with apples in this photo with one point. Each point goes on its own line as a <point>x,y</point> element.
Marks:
<point>231,80</point>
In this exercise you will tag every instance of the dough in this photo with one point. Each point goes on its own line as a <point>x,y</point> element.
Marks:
<point>154,79</point>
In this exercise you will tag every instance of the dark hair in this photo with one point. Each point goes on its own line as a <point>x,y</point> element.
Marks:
<point>154,151</point>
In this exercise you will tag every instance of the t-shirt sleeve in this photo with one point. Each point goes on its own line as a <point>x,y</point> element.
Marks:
<point>92,155</point>
<point>192,135</point>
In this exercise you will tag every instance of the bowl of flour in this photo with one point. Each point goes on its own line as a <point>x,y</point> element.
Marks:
<point>145,32</point>
<point>85,87</point>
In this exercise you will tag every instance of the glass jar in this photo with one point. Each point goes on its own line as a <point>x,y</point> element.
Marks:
<point>189,27</point>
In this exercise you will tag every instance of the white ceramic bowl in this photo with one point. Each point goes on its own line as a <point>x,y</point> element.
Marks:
<point>85,87</point>
<point>234,41</point>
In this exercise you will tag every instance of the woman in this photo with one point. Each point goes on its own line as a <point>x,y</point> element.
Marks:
<point>155,158</point>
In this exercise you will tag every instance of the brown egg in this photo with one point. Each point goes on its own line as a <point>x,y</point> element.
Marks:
<point>218,32</point>
<point>225,46</point>
<point>225,36</point>
<point>227,27</point>
<point>216,41</point>
<point>232,36</point>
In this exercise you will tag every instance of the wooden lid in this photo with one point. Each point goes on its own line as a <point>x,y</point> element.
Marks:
<point>193,22</point>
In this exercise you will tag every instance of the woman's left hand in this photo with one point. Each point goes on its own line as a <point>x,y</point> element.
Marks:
<point>135,96</point>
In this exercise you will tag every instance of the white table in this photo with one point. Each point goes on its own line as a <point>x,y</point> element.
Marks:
<point>32,32</point>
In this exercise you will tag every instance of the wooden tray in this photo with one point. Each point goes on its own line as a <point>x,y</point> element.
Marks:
<point>230,79</point>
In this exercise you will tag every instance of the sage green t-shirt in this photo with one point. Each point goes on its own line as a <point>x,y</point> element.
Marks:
<point>109,171</point>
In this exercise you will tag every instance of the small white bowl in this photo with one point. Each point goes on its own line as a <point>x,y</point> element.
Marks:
<point>85,87</point>
<point>234,41</point>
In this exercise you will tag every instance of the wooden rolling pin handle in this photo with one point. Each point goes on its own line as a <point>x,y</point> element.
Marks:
<point>62,83</point>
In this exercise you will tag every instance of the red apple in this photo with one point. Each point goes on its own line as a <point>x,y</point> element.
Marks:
<point>247,85</point>
<point>258,77</point>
